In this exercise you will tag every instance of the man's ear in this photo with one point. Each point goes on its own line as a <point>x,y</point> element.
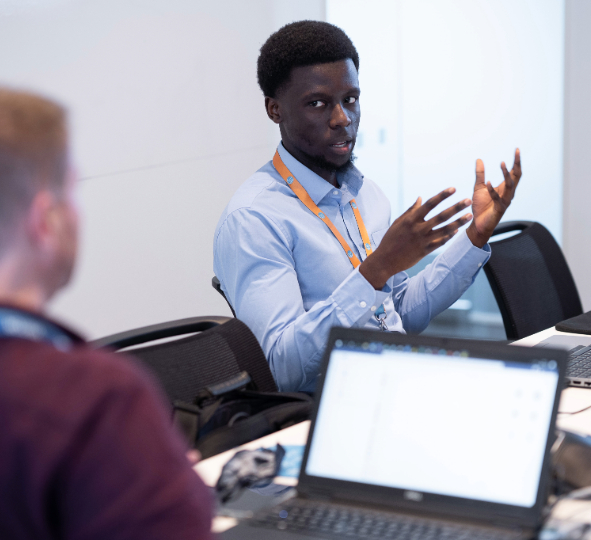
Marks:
<point>273,109</point>
<point>41,220</point>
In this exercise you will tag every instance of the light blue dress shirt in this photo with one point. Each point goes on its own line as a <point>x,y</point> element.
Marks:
<point>288,278</point>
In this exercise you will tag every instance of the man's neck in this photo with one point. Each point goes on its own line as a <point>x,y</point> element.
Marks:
<point>28,300</point>
<point>329,175</point>
<point>19,292</point>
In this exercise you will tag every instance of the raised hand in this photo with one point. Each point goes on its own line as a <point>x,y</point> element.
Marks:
<point>488,203</point>
<point>410,238</point>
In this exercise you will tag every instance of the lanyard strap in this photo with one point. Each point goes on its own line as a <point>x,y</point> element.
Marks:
<point>17,324</point>
<point>303,196</point>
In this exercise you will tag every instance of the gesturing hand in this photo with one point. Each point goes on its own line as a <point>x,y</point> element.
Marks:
<point>410,238</point>
<point>488,203</point>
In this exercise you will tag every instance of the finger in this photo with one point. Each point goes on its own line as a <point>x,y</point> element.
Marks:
<point>517,164</point>
<point>432,246</point>
<point>447,229</point>
<point>448,213</point>
<point>509,182</point>
<point>479,174</point>
<point>413,207</point>
<point>434,201</point>
<point>492,192</point>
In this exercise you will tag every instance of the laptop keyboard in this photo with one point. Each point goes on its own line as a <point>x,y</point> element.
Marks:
<point>343,522</point>
<point>579,363</point>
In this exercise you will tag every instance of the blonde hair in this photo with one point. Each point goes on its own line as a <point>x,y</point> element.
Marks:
<point>33,152</point>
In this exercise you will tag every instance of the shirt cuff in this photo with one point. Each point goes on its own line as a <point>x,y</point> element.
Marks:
<point>463,257</point>
<point>357,298</point>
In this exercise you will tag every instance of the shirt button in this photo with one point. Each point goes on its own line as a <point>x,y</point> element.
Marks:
<point>479,265</point>
<point>362,304</point>
<point>335,192</point>
<point>373,308</point>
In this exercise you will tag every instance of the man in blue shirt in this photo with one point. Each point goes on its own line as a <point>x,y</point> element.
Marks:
<point>306,242</point>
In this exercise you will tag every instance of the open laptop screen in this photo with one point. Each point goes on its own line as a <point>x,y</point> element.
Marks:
<point>434,420</point>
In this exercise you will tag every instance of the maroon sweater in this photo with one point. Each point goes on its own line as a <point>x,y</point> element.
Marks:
<point>87,451</point>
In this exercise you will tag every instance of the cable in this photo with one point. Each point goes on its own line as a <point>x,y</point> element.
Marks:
<point>576,412</point>
<point>577,494</point>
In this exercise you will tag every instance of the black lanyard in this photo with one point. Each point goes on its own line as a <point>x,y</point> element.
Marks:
<point>17,324</point>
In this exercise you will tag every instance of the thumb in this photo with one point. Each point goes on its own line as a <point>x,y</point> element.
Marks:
<point>479,173</point>
<point>415,205</point>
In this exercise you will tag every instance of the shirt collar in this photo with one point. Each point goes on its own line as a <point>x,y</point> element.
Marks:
<point>316,186</point>
<point>74,336</point>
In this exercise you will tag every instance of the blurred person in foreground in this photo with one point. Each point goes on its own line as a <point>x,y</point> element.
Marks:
<point>87,450</point>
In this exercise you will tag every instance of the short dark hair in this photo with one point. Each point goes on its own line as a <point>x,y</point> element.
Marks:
<point>302,43</point>
<point>33,152</point>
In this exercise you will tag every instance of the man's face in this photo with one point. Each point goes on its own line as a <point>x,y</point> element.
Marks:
<point>318,114</point>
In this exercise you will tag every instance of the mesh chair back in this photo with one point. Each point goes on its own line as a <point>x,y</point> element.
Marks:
<point>530,279</point>
<point>186,365</point>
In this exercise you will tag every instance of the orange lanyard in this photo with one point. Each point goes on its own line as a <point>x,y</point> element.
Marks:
<point>303,196</point>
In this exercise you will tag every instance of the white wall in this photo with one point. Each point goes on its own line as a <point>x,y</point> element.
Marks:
<point>168,121</point>
<point>577,145</point>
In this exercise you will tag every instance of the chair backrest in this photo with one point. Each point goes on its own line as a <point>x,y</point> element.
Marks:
<point>224,348</point>
<point>215,283</point>
<point>530,279</point>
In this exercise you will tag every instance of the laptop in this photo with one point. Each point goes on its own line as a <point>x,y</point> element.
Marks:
<point>422,438</point>
<point>578,369</point>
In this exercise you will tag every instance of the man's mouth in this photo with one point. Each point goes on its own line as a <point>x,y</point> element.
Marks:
<point>342,147</point>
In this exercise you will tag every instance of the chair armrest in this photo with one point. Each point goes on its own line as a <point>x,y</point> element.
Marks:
<point>158,331</point>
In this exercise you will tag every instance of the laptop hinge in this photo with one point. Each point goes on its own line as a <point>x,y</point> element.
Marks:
<point>321,494</point>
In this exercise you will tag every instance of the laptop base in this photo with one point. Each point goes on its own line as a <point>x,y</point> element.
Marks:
<point>301,519</point>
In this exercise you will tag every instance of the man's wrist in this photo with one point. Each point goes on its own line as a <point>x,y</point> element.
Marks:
<point>479,240</point>
<point>373,274</point>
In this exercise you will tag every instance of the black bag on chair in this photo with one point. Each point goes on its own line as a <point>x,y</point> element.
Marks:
<point>218,380</point>
<point>226,415</point>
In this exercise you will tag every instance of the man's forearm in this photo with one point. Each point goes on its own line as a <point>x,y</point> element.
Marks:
<point>439,285</point>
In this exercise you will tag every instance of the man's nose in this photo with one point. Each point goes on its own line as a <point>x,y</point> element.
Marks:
<point>339,117</point>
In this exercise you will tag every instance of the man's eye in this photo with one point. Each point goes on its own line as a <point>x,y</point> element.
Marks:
<point>316,103</point>
<point>351,99</point>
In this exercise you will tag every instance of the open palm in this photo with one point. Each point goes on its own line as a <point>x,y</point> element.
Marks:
<point>488,203</point>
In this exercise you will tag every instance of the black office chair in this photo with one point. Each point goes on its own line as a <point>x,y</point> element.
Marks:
<point>215,283</point>
<point>530,279</point>
<point>223,348</point>
<point>200,371</point>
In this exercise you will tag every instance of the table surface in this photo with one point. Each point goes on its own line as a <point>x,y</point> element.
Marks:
<point>572,401</point>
